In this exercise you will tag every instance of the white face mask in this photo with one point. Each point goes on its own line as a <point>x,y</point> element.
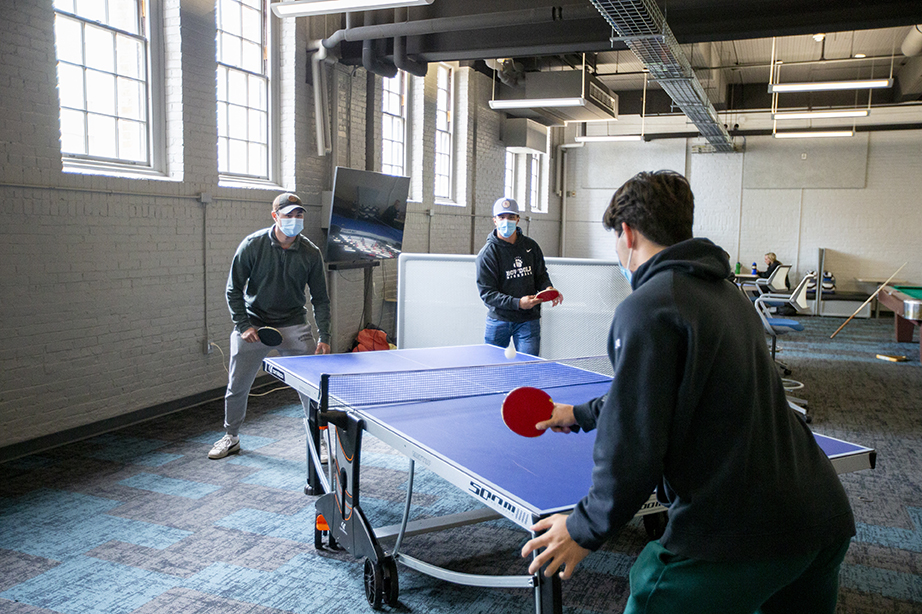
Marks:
<point>506,228</point>
<point>291,226</point>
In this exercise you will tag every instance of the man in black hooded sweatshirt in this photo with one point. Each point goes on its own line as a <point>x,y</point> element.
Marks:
<point>758,520</point>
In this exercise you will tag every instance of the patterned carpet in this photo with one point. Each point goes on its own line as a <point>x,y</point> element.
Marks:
<point>141,521</point>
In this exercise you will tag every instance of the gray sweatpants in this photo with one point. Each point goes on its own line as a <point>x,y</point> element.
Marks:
<point>245,361</point>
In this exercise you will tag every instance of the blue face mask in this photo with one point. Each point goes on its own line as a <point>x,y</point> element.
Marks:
<point>291,226</point>
<point>628,275</point>
<point>506,228</point>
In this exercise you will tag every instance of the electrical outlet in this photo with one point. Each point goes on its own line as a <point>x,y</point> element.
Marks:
<point>206,347</point>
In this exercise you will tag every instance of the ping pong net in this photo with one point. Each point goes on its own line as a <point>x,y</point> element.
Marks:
<point>359,390</point>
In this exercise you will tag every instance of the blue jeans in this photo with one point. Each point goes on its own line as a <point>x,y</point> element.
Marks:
<point>526,335</point>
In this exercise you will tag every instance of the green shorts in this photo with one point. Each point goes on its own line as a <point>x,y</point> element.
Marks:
<point>667,583</point>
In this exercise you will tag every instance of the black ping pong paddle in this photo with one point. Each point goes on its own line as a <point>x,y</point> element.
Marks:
<point>525,407</point>
<point>547,295</point>
<point>269,336</point>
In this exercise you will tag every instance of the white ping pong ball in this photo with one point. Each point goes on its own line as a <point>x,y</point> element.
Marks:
<point>510,351</point>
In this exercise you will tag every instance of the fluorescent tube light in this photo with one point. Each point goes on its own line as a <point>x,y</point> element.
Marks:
<point>302,8</point>
<point>819,114</point>
<point>535,103</point>
<point>813,134</point>
<point>826,86</point>
<point>608,137</point>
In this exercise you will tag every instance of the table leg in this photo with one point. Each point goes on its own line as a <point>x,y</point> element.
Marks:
<point>903,328</point>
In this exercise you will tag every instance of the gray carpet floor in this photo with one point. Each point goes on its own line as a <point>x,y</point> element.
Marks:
<point>141,521</point>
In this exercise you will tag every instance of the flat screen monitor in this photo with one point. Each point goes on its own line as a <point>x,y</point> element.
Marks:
<point>367,215</point>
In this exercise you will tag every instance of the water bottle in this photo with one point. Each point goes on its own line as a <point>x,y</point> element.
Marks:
<point>738,268</point>
<point>755,269</point>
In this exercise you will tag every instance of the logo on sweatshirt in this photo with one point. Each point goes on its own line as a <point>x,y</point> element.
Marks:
<point>520,269</point>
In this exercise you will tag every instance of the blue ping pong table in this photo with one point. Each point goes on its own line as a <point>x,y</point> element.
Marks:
<point>440,407</point>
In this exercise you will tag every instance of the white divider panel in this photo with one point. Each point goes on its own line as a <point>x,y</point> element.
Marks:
<point>438,304</point>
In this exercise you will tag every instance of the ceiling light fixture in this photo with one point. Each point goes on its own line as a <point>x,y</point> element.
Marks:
<point>303,8</point>
<point>827,86</point>
<point>610,138</point>
<point>820,114</point>
<point>535,103</point>
<point>813,134</point>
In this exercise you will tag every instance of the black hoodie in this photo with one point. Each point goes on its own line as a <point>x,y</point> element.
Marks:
<point>508,271</point>
<point>697,410</point>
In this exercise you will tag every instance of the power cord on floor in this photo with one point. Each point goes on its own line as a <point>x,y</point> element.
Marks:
<point>224,364</point>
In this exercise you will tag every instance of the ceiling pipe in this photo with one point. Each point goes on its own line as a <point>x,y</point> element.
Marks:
<point>321,117</point>
<point>373,61</point>
<point>404,62</point>
<point>912,44</point>
<point>459,24</point>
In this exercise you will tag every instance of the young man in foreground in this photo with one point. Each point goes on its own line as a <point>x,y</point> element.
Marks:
<point>758,520</point>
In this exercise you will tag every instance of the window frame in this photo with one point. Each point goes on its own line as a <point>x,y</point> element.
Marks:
<point>151,32</point>
<point>448,153</point>
<point>269,73</point>
<point>402,79</point>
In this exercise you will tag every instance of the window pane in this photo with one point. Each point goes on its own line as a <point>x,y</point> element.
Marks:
<point>100,49</point>
<point>129,54</point>
<point>222,83</point>
<point>237,151</point>
<point>252,25</point>
<point>230,17</point>
<point>257,93</point>
<point>252,57</point>
<point>102,136</point>
<point>230,49</point>
<point>100,92</point>
<point>73,132</point>
<point>130,99</point>
<point>257,159</point>
<point>222,118</point>
<point>222,155</point>
<point>257,126</point>
<point>237,87</point>
<point>132,141</point>
<point>94,10</point>
<point>68,36</point>
<point>70,86</point>
<point>123,15</point>
<point>64,5</point>
<point>237,122</point>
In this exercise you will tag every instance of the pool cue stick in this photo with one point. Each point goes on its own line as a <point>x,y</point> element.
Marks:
<point>870,298</point>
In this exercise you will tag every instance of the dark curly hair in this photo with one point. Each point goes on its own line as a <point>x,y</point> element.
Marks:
<point>660,205</point>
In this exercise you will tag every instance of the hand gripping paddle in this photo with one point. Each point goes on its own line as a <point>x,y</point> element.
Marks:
<point>525,407</point>
<point>547,295</point>
<point>269,336</point>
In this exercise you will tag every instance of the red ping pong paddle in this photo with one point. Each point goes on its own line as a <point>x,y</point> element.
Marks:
<point>525,407</point>
<point>269,336</point>
<point>547,295</point>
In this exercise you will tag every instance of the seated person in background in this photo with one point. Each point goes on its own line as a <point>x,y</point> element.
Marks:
<point>773,263</point>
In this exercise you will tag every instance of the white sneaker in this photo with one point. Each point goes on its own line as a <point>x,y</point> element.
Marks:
<point>229,444</point>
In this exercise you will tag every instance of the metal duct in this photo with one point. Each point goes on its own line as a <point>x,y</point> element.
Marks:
<point>642,27</point>
<point>912,44</point>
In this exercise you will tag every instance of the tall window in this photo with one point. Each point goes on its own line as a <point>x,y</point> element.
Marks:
<point>102,50</point>
<point>394,125</point>
<point>509,183</point>
<point>443,132</point>
<point>243,88</point>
